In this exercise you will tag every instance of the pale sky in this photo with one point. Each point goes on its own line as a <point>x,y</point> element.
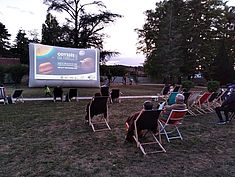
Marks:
<point>31,14</point>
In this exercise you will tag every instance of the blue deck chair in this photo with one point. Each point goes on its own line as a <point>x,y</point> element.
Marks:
<point>171,98</point>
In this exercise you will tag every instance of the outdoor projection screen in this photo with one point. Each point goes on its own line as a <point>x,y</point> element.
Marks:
<point>66,67</point>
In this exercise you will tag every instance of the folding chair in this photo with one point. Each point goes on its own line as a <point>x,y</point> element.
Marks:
<point>97,106</point>
<point>58,92</point>
<point>231,115</point>
<point>73,93</point>
<point>171,98</point>
<point>222,96</point>
<point>104,91</point>
<point>186,96</point>
<point>17,95</point>
<point>201,104</point>
<point>115,94</point>
<point>191,102</point>
<point>176,88</point>
<point>3,96</point>
<point>169,126</point>
<point>164,92</point>
<point>148,120</point>
<point>211,101</point>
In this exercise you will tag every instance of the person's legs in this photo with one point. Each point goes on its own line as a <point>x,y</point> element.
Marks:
<point>226,113</point>
<point>218,112</point>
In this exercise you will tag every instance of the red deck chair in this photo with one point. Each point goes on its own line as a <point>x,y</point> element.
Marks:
<point>202,104</point>
<point>148,120</point>
<point>169,126</point>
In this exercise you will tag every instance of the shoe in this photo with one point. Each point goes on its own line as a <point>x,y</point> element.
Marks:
<point>221,122</point>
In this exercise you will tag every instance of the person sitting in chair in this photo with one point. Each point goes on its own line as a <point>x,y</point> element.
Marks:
<point>178,105</point>
<point>58,92</point>
<point>88,104</point>
<point>47,91</point>
<point>148,105</point>
<point>227,106</point>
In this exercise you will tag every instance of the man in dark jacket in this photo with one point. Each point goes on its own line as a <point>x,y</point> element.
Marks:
<point>227,106</point>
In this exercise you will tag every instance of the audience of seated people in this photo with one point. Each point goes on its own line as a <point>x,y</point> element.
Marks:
<point>227,106</point>
<point>148,105</point>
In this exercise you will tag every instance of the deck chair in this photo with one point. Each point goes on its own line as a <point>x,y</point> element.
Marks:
<point>176,88</point>
<point>191,102</point>
<point>3,96</point>
<point>73,93</point>
<point>98,106</point>
<point>212,100</point>
<point>164,92</point>
<point>231,115</point>
<point>148,120</point>
<point>104,91</point>
<point>115,95</point>
<point>201,104</point>
<point>186,97</point>
<point>222,97</point>
<point>17,95</point>
<point>171,98</point>
<point>169,126</point>
<point>58,92</point>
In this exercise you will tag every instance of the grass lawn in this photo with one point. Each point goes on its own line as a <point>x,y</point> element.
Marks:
<point>43,138</point>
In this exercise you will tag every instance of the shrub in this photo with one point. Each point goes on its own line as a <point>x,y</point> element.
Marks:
<point>187,85</point>
<point>17,72</point>
<point>2,74</point>
<point>213,86</point>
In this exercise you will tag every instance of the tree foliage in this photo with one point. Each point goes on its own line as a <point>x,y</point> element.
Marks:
<point>4,40</point>
<point>86,26</point>
<point>21,46</point>
<point>51,31</point>
<point>181,38</point>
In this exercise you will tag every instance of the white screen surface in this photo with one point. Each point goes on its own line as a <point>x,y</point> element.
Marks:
<point>53,66</point>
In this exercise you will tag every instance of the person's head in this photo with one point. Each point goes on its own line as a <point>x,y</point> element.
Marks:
<point>97,94</point>
<point>148,105</point>
<point>179,98</point>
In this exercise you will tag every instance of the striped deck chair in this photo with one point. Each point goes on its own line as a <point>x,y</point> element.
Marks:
<point>191,101</point>
<point>201,104</point>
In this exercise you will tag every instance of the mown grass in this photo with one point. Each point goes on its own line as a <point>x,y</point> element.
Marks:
<point>43,138</point>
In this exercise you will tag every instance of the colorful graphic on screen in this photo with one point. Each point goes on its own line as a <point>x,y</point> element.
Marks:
<point>65,63</point>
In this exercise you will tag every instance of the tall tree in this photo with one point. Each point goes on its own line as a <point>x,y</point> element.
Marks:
<point>4,39</point>
<point>225,74</point>
<point>87,27</point>
<point>51,31</point>
<point>21,46</point>
<point>194,29</point>
<point>163,38</point>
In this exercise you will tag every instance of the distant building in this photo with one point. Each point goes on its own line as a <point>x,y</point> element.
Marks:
<point>6,62</point>
<point>9,61</point>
